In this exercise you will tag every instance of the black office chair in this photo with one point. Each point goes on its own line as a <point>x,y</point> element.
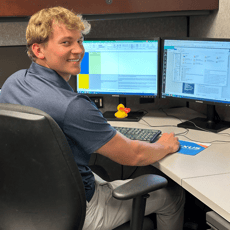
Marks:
<point>40,185</point>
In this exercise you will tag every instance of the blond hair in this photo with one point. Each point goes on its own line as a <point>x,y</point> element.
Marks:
<point>40,25</point>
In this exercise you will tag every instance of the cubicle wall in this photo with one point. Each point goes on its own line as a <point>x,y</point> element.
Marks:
<point>216,25</point>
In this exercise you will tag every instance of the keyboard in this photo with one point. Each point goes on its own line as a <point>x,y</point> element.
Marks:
<point>139,134</point>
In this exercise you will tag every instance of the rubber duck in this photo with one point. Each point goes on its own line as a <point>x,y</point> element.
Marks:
<point>122,111</point>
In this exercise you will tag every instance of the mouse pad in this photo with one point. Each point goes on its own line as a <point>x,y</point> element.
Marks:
<point>192,148</point>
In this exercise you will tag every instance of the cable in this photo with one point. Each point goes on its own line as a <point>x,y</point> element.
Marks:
<point>155,126</point>
<point>161,109</point>
<point>187,130</point>
<point>200,127</point>
<point>210,142</point>
<point>188,120</point>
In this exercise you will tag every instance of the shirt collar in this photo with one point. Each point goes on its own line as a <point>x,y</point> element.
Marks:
<point>48,75</point>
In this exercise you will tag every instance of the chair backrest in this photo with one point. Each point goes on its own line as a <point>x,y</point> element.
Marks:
<point>40,185</point>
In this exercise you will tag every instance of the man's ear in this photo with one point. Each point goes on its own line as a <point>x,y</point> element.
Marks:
<point>37,50</point>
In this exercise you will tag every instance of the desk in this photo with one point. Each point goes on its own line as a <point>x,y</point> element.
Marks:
<point>184,169</point>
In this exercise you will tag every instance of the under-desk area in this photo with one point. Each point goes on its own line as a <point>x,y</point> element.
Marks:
<point>205,175</point>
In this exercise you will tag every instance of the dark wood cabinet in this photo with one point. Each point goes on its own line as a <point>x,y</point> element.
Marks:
<point>22,8</point>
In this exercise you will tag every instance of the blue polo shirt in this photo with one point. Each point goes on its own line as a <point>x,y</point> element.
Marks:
<point>84,126</point>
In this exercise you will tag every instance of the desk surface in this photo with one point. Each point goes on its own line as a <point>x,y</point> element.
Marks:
<point>216,195</point>
<point>212,161</point>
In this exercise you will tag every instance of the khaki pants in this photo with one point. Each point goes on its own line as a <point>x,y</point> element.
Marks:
<point>106,213</point>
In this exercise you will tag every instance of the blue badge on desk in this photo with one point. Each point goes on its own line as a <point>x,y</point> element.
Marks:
<point>191,148</point>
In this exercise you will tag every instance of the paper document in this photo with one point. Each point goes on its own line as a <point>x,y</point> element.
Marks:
<point>192,148</point>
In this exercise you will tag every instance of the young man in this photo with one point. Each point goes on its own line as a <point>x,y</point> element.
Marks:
<point>55,44</point>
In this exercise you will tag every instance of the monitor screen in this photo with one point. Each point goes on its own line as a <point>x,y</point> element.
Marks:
<point>196,69</point>
<point>119,67</point>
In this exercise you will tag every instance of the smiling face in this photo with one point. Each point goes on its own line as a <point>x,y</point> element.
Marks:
<point>63,52</point>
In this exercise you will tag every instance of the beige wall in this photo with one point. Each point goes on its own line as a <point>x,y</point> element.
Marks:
<point>216,25</point>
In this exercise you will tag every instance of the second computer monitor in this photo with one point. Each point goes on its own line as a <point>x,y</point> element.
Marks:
<point>197,70</point>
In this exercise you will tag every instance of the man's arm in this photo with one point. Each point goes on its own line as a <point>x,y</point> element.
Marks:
<point>138,153</point>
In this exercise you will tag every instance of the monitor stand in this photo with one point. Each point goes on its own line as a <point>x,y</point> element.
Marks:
<point>207,124</point>
<point>132,116</point>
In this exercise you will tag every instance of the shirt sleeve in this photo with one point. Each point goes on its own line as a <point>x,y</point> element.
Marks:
<point>85,125</point>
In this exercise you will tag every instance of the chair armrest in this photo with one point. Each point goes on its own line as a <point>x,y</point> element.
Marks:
<point>139,186</point>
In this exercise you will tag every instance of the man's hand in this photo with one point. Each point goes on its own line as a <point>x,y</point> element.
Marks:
<point>169,140</point>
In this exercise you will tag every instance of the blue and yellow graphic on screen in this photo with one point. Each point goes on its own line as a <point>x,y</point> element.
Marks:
<point>83,77</point>
<point>124,67</point>
<point>91,64</point>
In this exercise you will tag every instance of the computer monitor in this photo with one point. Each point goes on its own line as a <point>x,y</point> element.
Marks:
<point>197,70</point>
<point>12,59</point>
<point>120,68</point>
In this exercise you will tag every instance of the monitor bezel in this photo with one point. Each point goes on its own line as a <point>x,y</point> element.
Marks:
<point>162,66</point>
<point>129,95</point>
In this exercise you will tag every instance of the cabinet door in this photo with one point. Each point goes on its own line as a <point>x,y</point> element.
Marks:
<point>28,7</point>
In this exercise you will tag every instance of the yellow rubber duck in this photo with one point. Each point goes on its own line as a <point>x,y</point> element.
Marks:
<point>122,111</point>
